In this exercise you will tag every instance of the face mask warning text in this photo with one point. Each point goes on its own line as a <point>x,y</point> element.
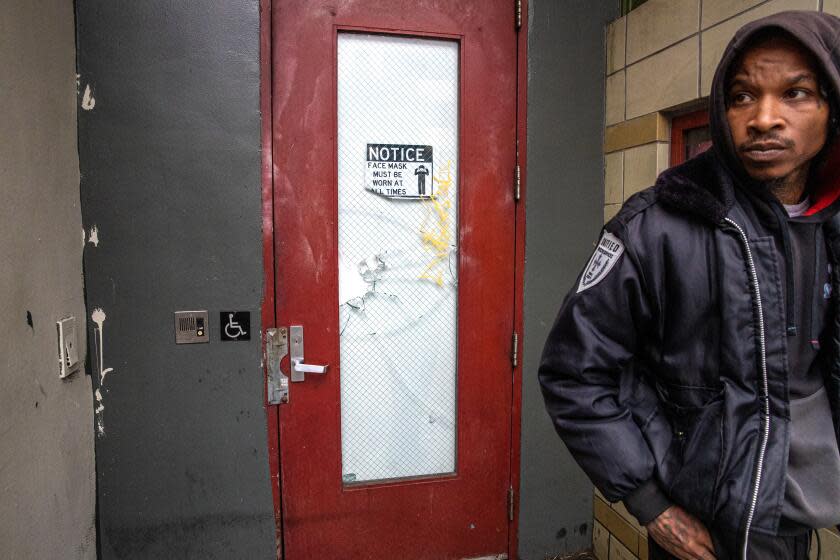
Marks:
<point>399,171</point>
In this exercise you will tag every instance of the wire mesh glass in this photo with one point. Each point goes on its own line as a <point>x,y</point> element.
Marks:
<point>397,240</point>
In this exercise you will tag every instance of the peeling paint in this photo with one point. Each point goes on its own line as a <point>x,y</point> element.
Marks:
<point>94,236</point>
<point>100,408</point>
<point>88,101</point>
<point>98,316</point>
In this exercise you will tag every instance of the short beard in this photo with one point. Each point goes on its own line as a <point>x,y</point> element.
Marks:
<point>777,186</point>
<point>782,186</point>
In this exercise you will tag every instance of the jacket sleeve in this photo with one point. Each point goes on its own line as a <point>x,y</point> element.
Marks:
<point>587,371</point>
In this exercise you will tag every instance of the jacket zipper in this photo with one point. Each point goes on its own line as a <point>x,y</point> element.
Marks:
<point>819,289</point>
<point>764,397</point>
<point>790,310</point>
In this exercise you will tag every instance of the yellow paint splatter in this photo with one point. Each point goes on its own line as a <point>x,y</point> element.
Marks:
<point>434,233</point>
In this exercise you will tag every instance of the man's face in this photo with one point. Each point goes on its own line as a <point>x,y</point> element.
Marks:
<point>777,115</point>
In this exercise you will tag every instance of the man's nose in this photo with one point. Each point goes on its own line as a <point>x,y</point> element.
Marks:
<point>767,115</point>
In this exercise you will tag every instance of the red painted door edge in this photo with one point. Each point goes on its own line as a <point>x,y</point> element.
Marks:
<point>268,308</point>
<point>501,343</point>
<point>679,126</point>
<point>519,273</point>
<point>268,317</point>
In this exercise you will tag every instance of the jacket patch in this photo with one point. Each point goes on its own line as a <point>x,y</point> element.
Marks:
<point>606,254</point>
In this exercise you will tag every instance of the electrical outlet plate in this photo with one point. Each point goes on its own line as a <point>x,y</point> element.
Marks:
<point>191,327</point>
<point>68,353</point>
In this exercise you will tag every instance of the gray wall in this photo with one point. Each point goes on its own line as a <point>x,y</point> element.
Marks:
<point>170,162</point>
<point>46,442</point>
<point>564,215</point>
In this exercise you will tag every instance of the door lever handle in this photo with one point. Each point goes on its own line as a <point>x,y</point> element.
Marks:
<point>296,356</point>
<point>309,368</point>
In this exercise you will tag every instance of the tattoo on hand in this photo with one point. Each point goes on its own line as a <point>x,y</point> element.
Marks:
<point>682,535</point>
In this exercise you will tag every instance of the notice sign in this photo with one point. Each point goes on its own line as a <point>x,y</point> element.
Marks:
<point>399,170</point>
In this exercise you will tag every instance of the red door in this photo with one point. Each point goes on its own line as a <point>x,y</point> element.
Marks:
<point>394,128</point>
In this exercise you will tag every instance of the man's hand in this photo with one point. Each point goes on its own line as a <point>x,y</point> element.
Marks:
<point>682,535</point>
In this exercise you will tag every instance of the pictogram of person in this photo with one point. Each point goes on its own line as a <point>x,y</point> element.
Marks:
<point>421,173</point>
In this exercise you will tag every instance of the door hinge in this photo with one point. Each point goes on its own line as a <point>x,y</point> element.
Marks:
<point>518,18</point>
<point>510,503</point>
<point>514,349</point>
<point>517,182</point>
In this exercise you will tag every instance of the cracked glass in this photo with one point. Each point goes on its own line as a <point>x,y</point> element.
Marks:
<point>397,248</point>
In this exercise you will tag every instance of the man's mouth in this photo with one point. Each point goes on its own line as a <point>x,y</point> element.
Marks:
<point>764,151</point>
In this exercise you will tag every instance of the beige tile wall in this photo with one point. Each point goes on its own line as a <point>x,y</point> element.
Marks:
<point>830,541</point>
<point>616,533</point>
<point>665,79</point>
<point>616,41</point>
<point>614,178</point>
<point>715,11</point>
<point>615,98</point>
<point>832,7</point>
<point>641,166</point>
<point>660,60</point>
<point>658,24</point>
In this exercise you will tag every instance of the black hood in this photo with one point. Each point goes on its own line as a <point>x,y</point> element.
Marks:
<point>819,33</point>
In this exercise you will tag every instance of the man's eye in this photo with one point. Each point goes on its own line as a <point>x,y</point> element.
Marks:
<point>797,94</point>
<point>740,98</point>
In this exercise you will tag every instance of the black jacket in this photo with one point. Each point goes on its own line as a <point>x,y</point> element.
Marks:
<point>666,371</point>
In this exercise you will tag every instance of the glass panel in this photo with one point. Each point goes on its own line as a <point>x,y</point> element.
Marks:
<point>397,246</point>
<point>697,140</point>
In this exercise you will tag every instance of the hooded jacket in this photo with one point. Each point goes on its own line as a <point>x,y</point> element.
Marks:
<point>666,372</point>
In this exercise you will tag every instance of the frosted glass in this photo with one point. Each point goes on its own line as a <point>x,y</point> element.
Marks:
<point>397,240</point>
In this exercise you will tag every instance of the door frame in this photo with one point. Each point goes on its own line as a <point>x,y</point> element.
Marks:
<point>268,318</point>
<point>679,126</point>
<point>522,13</point>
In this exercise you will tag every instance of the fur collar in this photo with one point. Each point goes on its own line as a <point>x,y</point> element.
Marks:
<point>700,186</point>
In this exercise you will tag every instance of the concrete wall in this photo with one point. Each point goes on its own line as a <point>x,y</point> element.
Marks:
<point>170,162</point>
<point>564,212</point>
<point>46,442</point>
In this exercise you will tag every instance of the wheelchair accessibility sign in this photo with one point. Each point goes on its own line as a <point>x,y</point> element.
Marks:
<point>235,325</point>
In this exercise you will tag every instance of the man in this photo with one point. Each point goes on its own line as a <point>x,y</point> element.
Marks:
<point>694,369</point>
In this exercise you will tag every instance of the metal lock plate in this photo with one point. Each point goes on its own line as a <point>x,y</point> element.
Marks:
<point>276,348</point>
